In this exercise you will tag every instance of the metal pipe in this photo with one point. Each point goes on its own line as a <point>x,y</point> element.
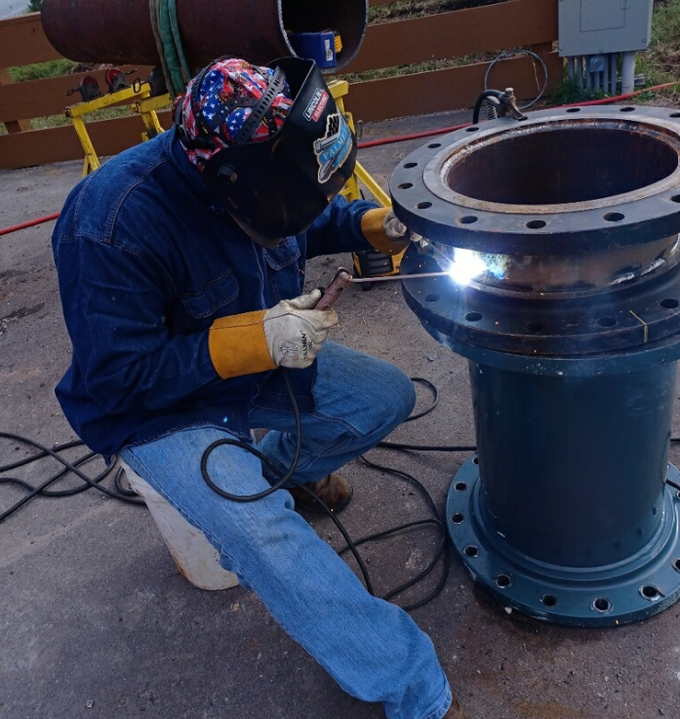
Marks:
<point>121,33</point>
<point>628,71</point>
<point>568,511</point>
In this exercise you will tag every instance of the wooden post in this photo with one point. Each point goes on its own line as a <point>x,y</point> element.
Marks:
<point>13,125</point>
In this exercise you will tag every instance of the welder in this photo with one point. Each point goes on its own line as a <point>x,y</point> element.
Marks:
<point>181,266</point>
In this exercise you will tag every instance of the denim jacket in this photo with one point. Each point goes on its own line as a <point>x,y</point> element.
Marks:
<point>147,259</point>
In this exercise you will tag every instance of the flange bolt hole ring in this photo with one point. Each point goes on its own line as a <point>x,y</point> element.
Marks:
<point>649,591</point>
<point>601,604</point>
<point>503,581</point>
<point>614,217</point>
<point>471,550</point>
<point>457,518</point>
<point>550,600</point>
<point>607,322</point>
<point>669,304</point>
<point>676,564</point>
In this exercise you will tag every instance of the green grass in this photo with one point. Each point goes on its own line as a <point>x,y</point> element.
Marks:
<point>661,63</point>
<point>42,70</point>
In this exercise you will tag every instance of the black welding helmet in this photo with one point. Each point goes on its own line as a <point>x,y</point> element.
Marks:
<point>269,140</point>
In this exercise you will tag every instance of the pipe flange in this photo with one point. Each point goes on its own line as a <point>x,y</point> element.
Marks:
<point>563,181</point>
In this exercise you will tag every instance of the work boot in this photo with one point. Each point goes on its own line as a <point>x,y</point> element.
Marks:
<point>334,491</point>
<point>455,711</point>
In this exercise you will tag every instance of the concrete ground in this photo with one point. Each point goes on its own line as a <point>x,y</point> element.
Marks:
<point>97,623</point>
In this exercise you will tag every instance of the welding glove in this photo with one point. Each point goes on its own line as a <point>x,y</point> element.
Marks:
<point>290,334</point>
<point>384,231</point>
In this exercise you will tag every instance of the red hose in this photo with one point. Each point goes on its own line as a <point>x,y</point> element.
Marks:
<point>403,138</point>
<point>30,223</point>
<point>429,133</point>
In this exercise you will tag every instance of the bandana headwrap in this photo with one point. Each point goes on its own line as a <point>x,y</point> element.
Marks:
<point>229,90</point>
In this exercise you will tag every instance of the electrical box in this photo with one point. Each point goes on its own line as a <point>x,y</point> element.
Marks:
<point>595,27</point>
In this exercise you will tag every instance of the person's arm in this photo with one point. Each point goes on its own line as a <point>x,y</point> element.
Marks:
<point>116,303</point>
<point>354,227</point>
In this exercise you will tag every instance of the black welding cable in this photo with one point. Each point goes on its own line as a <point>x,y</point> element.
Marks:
<point>286,478</point>
<point>68,468</point>
<point>350,545</point>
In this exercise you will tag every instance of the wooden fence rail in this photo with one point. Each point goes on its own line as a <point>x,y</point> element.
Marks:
<point>487,30</point>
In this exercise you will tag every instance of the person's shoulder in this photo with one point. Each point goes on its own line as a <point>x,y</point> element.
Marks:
<point>120,193</point>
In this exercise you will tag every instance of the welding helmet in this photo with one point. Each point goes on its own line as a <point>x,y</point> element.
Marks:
<point>270,141</point>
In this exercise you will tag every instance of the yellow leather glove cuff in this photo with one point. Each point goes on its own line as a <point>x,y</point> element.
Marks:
<point>373,229</point>
<point>238,346</point>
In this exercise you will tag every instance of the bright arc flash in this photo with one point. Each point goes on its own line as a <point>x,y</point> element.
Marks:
<point>466,265</point>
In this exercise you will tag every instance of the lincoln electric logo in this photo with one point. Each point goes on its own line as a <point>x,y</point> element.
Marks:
<point>316,105</point>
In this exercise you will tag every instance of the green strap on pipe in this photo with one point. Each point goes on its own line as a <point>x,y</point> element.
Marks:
<point>166,31</point>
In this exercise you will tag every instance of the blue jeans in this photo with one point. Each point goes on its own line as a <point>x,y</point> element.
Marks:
<point>372,648</point>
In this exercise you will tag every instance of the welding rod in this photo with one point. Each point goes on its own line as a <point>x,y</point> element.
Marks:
<point>344,277</point>
<point>417,276</point>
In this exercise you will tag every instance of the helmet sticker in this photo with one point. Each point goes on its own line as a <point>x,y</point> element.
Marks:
<point>334,147</point>
<point>316,105</point>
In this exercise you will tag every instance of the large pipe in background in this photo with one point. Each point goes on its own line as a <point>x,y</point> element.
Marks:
<point>121,32</point>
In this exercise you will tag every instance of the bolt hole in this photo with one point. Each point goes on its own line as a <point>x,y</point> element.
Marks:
<point>654,511</point>
<point>434,145</point>
<point>650,592</point>
<point>607,322</point>
<point>409,165</point>
<point>550,600</point>
<point>676,565</point>
<point>457,518</point>
<point>432,298</point>
<point>614,217</point>
<point>476,461</point>
<point>473,316</point>
<point>628,108</point>
<point>675,198</point>
<point>574,109</point>
<point>474,128</point>
<point>602,604</point>
<point>468,220</point>
<point>423,205</point>
<point>536,224</point>
<point>503,581</point>
<point>405,186</point>
<point>669,304</point>
<point>471,550</point>
<point>675,114</point>
<point>460,486</point>
<point>535,326</point>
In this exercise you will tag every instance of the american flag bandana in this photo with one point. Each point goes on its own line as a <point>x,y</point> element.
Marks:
<point>241,83</point>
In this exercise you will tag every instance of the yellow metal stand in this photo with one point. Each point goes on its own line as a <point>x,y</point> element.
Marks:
<point>339,89</point>
<point>140,91</point>
<point>374,264</point>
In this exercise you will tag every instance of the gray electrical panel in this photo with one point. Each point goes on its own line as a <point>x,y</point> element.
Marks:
<point>594,27</point>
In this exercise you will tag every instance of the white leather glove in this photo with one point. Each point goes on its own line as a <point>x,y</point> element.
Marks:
<point>295,332</point>
<point>394,228</point>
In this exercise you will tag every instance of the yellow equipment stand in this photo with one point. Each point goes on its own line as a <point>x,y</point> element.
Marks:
<point>372,264</point>
<point>140,91</point>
